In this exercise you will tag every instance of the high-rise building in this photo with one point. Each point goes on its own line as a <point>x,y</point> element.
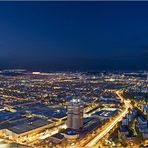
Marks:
<point>75,114</point>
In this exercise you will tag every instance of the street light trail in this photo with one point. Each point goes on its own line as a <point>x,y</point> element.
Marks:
<point>112,124</point>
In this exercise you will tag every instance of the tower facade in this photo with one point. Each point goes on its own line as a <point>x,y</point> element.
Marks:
<point>75,114</point>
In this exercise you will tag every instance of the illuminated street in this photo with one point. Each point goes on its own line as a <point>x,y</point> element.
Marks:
<point>73,74</point>
<point>111,125</point>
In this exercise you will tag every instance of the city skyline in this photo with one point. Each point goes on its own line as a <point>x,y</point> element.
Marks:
<point>73,74</point>
<point>73,109</point>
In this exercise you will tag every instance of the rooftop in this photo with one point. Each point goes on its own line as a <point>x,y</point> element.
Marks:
<point>28,126</point>
<point>58,136</point>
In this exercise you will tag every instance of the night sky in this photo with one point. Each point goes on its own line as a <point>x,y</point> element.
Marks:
<point>74,35</point>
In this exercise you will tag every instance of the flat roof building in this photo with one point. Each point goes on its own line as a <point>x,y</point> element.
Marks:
<point>26,130</point>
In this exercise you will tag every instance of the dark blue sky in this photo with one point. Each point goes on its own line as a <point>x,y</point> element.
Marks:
<point>74,35</point>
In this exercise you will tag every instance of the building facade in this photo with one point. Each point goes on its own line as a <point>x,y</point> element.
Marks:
<point>75,114</point>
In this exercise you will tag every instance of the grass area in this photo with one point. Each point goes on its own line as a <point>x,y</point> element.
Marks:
<point>116,139</point>
<point>132,126</point>
<point>139,135</point>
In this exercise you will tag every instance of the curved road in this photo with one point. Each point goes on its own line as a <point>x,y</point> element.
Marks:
<point>112,124</point>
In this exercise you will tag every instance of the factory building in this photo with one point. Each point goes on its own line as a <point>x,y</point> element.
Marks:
<point>26,131</point>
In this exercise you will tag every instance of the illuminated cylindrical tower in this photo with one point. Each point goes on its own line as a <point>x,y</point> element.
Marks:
<point>75,114</point>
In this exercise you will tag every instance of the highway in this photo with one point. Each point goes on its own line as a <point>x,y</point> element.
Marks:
<point>112,124</point>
